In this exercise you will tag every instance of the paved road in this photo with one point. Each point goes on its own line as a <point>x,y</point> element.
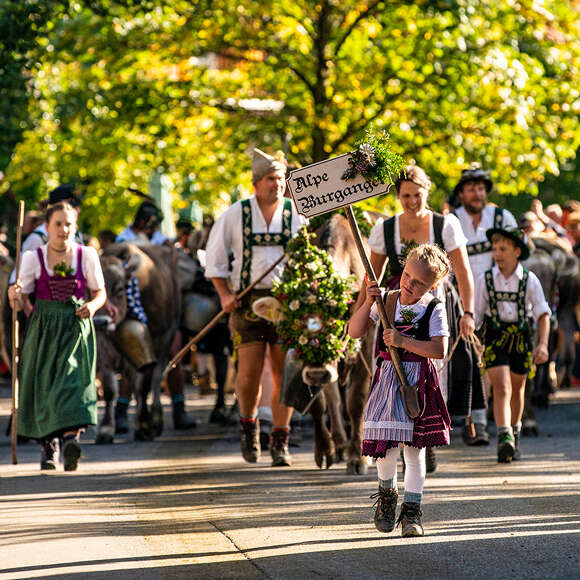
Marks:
<point>186,506</point>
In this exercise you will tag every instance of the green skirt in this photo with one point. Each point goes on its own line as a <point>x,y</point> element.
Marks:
<point>57,373</point>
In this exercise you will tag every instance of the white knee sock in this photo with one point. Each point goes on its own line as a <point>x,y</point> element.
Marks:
<point>387,469</point>
<point>414,473</point>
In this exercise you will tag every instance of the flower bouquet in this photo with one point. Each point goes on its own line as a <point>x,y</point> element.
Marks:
<point>314,302</point>
<point>374,159</point>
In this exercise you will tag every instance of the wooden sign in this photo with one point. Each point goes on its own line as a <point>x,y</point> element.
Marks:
<point>319,188</point>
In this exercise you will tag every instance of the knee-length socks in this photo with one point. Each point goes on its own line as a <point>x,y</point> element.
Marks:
<point>414,471</point>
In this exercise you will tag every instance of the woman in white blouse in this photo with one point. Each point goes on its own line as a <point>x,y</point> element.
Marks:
<point>417,224</point>
<point>390,241</point>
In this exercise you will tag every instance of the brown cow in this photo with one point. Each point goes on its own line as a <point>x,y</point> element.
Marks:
<point>155,268</point>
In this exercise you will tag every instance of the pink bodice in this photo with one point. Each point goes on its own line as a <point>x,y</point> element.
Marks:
<point>57,287</point>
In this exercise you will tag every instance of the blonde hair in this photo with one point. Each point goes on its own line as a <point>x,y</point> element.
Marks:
<point>433,258</point>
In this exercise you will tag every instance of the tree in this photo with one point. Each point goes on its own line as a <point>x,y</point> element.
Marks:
<point>131,87</point>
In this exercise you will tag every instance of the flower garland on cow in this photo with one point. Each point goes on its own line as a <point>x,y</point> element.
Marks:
<point>311,304</point>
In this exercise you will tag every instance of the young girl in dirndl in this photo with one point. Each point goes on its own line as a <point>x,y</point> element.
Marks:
<point>420,334</point>
<point>58,397</point>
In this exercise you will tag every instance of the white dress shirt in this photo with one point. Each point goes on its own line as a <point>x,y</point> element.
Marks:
<point>481,262</point>
<point>226,234</point>
<point>535,300</point>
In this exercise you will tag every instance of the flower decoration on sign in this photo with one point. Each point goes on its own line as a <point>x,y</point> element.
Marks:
<point>374,159</point>
<point>61,269</point>
<point>315,303</point>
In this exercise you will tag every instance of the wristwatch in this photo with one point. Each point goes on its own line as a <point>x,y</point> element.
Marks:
<point>469,313</point>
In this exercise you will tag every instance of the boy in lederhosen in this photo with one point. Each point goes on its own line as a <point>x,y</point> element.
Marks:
<point>508,299</point>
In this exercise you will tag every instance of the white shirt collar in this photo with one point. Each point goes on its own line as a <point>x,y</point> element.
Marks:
<point>518,272</point>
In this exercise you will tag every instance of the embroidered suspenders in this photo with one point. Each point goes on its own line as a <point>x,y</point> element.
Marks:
<point>484,247</point>
<point>250,239</point>
<point>518,297</point>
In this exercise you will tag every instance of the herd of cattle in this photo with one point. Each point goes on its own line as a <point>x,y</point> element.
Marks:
<point>174,294</point>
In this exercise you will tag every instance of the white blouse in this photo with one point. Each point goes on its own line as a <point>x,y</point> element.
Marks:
<point>437,323</point>
<point>452,235</point>
<point>226,234</point>
<point>30,269</point>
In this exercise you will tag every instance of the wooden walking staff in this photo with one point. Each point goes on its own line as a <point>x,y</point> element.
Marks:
<point>191,344</point>
<point>16,340</point>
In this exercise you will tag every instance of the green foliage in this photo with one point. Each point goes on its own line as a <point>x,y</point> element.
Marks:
<point>119,89</point>
<point>374,159</point>
<point>315,302</point>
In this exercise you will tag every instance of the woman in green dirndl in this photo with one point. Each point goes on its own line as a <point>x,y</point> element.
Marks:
<point>58,397</point>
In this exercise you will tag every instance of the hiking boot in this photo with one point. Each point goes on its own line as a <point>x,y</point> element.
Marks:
<point>250,440</point>
<point>517,453</point>
<point>121,424</point>
<point>71,452</point>
<point>505,448</point>
<point>49,454</point>
<point>385,508</point>
<point>410,520</point>
<point>180,419</point>
<point>430,460</point>
<point>279,441</point>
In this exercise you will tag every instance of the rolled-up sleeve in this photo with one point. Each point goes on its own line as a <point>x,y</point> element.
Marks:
<point>220,241</point>
<point>377,238</point>
<point>535,298</point>
<point>92,269</point>
<point>29,271</point>
<point>452,234</point>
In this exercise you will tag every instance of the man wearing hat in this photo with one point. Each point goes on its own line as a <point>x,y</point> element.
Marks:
<point>476,216</point>
<point>255,231</point>
<point>507,300</point>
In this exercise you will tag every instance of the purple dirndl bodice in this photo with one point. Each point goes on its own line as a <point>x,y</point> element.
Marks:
<point>60,288</point>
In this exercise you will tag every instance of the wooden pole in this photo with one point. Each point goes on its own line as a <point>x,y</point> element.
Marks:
<point>191,344</point>
<point>380,304</point>
<point>16,340</point>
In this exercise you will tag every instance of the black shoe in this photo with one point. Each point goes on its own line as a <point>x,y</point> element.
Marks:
<point>517,453</point>
<point>250,440</point>
<point>481,435</point>
<point>430,459</point>
<point>265,430</point>
<point>505,448</point>
<point>279,440</point>
<point>385,508</point>
<point>121,424</point>
<point>71,452</point>
<point>180,419</point>
<point>220,417</point>
<point>49,454</point>
<point>410,520</point>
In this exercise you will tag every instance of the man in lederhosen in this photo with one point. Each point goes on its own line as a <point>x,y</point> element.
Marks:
<point>476,216</point>
<point>256,231</point>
